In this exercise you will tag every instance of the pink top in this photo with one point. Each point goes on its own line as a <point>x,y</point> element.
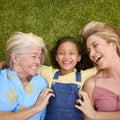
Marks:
<point>105,100</point>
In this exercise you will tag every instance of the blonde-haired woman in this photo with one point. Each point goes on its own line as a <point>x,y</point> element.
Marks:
<point>20,83</point>
<point>103,89</point>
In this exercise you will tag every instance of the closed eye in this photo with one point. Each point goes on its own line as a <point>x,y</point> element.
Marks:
<point>95,45</point>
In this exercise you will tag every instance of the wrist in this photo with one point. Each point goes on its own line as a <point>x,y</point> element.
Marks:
<point>37,109</point>
<point>96,116</point>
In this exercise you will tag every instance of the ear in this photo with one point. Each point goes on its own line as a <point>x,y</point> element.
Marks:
<point>56,57</point>
<point>15,58</point>
<point>113,45</point>
<point>79,58</point>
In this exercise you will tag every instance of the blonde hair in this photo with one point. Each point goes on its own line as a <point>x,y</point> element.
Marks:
<point>19,42</point>
<point>103,30</point>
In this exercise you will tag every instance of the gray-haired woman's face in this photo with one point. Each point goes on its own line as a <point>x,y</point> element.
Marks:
<point>29,61</point>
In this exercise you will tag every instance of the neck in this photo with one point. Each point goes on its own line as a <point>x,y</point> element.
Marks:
<point>23,78</point>
<point>64,72</point>
<point>112,71</point>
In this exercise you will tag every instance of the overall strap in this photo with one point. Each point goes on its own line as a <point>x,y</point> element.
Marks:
<point>78,76</point>
<point>56,75</point>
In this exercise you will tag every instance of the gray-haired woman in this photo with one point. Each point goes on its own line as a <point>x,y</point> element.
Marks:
<point>20,83</point>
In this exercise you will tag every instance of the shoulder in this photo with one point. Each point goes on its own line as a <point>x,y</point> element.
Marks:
<point>4,73</point>
<point>46,72</point>
<point>38,80</point>
<point>90,81</point>
<point>89,84</point>
<point>3,76</point>
<point>43,69</point>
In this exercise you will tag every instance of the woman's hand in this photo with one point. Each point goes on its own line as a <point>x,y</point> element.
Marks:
<point>84,104</point>
<point>43,98</point>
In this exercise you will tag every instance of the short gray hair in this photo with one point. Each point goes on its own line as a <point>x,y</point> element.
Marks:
<point>19,42</point>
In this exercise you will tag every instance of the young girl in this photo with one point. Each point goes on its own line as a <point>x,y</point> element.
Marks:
<point>66,80</point>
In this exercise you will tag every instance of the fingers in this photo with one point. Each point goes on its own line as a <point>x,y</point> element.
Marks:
<point>83,98</point>
<point>46,94</point>
<point>83,95</point>
<point>43,98</point>
<point>46,91</point>
<point>78,104</point>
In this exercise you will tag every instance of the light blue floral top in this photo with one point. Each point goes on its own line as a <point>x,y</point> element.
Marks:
<point>14,98</point>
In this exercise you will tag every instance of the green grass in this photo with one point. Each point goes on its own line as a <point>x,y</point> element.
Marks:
<point>52,19</point>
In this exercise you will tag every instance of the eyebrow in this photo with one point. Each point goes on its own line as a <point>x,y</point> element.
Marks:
<point>36,53</point>
<point>91,44</point>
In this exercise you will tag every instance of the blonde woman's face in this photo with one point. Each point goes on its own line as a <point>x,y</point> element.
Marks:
<point>100,52</point>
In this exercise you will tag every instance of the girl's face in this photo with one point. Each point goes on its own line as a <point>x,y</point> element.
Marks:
<point>27,64</point>
<point>67,57</point>
<point>100,51</point>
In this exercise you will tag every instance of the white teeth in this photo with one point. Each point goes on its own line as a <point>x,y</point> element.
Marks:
<point>66,62</point>
<point>97,58</point>
<point>34,68</point>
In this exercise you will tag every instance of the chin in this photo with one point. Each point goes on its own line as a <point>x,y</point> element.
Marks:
<point>100,67</point>
<point>33,74</point>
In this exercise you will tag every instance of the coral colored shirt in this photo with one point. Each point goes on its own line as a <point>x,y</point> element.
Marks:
<point>105,100</point>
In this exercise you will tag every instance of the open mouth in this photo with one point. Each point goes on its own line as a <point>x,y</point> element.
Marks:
<point>97,59</point>
<point>34,68</point>
<point>66,63</point>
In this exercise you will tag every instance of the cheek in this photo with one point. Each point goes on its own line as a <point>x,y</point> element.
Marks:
<point>23,65</point>
<point>90,56</point>
<point>79,58</point>
<point>87,44</point>
<point>58,57</point>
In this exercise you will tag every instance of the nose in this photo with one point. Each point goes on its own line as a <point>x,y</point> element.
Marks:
<point>66,55</point>
<point>37,61</point>
<point>92,53</point>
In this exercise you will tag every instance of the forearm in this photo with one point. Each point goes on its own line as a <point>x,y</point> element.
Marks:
<point>107,116</point>
<point>86,118</point>
<point>41,103</point>
<point>22,115</point>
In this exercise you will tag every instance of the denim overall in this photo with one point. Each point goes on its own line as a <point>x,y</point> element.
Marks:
<point>62,106</point>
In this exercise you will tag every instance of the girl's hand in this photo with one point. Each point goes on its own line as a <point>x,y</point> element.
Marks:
<point>3,64</point>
